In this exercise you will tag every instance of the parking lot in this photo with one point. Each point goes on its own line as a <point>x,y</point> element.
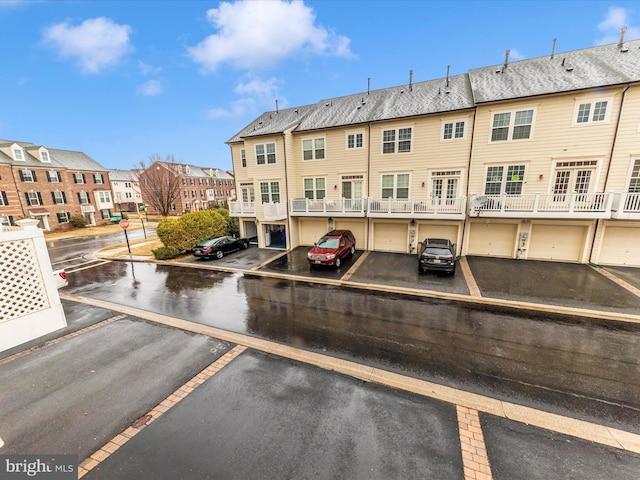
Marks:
<point>565,285</point>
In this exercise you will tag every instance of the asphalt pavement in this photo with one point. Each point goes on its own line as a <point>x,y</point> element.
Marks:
<point>140,395</point>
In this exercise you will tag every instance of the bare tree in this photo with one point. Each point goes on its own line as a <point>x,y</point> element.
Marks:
<point>160,182</point>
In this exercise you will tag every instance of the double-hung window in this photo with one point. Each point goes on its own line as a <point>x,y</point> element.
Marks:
<point>54,177</point>
<point>63,217</point>
<point>395,185</point>
<point>634,181</point>
<point>98,179</point>
<point>58,197</point>
<point>33,198</point>
<point>104,197</point>
<point>592,112</point>
<point>243,158</point>
<point>266,153</point>
<point>515,125</point>
<point>83,198</point>
<point>18,154</point>
<point>453,130</point>
<point>396,140</point>
<point>78,178</point>
<point>504,179</point>
<point>270,192</point>
<point>28,176</point>
<point>315,188</point>
<point>44,156</point>
<point>355,140</point>
<point>313,149</point>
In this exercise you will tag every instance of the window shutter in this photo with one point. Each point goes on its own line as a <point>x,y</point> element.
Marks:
<point>40,198</point>
<point>59,176</point>
<point>26,195</point>
<point>4,198</point>
<point>33,172</point>
<point>79,198</point>
<point>21,176</point>
<point>84,179</point>
<point>53,197</point>
<point>64,198</point>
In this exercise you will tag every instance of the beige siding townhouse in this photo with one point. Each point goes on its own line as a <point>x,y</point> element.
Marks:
<point>535,159</point>
<point>542,152</point>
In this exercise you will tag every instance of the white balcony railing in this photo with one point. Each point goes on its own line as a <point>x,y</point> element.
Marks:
<point>626,205</point>
<point>240,209</point>
<point>87,208</point>
<point>274,211</point>
<point>347,207</point>
<point>569,205</point>
<point>446,208</point>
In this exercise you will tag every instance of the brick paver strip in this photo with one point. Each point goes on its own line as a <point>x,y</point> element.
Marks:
<point>61,339</point>
<point>474,290</point>
<point>618,280</point>
<point>475,460</point>
<point>123,437</point>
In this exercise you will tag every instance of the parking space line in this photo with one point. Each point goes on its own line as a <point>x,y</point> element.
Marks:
<point>589,431</point>
<point>475,460</point>
<point>347,276</point>
<point>618,280</point>
<point>267,262</point>
<point>474,290</point>
<point>61,339</point>
<point>156,412</point>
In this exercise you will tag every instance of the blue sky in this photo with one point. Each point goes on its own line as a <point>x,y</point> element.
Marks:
<point>123,80</point>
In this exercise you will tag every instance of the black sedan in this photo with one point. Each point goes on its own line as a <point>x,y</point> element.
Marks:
<point>219,247</point>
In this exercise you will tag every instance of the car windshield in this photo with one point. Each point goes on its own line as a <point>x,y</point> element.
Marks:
<point>328,243</point>
<point>437,251</point>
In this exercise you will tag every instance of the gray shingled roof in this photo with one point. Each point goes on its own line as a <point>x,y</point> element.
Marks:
<point>123,175</point>
<point>75,160</point>
<point>578,70</point>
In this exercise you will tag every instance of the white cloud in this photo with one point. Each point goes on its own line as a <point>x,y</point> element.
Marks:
<point>259,33</point>
<point>617,18</point>
<point>150,88</point>
<point>238,109</point>
<point>260,88</point>
<point>515,55</point>
<point>95,44</point>
<point>147,69</point>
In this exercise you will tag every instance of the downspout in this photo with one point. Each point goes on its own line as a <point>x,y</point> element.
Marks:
<point>466,216</point>
<point>368,223</point>
<point>606,176</point>
<point>286,185</point>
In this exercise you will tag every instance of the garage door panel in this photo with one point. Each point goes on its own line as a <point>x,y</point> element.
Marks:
<point>492,239</point>
<point>438,231</point>
<point>311,230</point>
<point>357,228</point>
<point>557,242</point>
<point>390,237</point>
<point>620,246</point>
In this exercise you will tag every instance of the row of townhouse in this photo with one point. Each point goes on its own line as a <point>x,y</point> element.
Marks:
<point>535,159</point>
<point>51,185</point>
<point>196,188</point>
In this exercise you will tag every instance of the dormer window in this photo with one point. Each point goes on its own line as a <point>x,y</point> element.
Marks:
<point>44,156</point>
<point>187,169</point>
<point>18,154</point>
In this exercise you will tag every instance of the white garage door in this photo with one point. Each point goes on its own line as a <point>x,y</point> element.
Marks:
<point>390,237</point>
<point>358,229</point>
<point>311,229</point>
<point>438,231</point>
<point>492,239</point>
<point>620,246</point>
<point>557,242</point>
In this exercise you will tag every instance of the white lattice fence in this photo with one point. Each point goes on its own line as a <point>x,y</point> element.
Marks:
<point>29,302</point>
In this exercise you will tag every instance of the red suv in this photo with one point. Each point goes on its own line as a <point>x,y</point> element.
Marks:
<point>332,248</point>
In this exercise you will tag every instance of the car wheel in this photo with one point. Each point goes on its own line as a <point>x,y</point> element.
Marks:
<point>353,250</point>
<point>219,254</point>
<point>245,246</point>
<point>338,262</point>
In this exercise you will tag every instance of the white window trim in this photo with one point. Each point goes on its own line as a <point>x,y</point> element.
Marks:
<point>593,102</point>
<point>505,169</point>
<point>346,140</point>
<point>632,162</point>
<point>266,153</point>
<point>395,184</point>
<point>453,136</point>
<point>512,120</point>
<point>397,139</point>
<point>315,189</point>
<point>595,177</point>
<point>44,153</point>
<point>270,192</point>
<point>20,151</point>
<point>313,148</point>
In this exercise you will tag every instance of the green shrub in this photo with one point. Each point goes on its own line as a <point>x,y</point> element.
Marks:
<point>78,221</point>
<point>165,253</point>
<point>185,232</point>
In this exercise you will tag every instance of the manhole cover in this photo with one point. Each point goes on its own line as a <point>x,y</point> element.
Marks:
<point>141,421</point>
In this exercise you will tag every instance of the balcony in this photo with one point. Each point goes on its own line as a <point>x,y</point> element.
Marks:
<point>430,208</point>
<point>626,206</point>
<point>343,207</point>
<point>87,208</point>
<point>274,211</point>
<point>242,209</point>
<point>568,206</point>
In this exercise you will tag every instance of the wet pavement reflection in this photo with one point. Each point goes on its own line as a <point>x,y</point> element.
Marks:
<point>584,368</point>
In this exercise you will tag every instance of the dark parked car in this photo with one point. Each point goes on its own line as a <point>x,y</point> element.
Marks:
<point>219,247</point>
<point>438,255</point>
<point>332,248</point>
